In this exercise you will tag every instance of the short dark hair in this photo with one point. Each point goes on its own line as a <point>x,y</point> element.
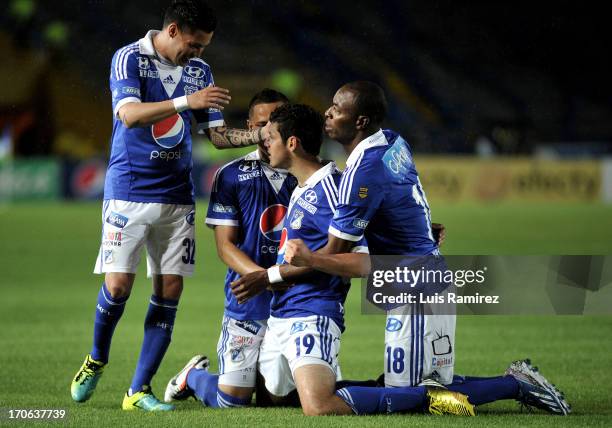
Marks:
<point>301,121</point>
<point>370,100</point>
<point>267,96</point>
<point>191,15</point>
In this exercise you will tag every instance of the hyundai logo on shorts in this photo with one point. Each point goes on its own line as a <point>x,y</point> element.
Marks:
<point>169,132</point>
<point>190,218</point>
<point>393,324</point>
<point>271,222</point>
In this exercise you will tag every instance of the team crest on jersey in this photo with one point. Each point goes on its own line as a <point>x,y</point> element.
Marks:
<point>363,192</point>
<point>296,220</point>
<point>169,132</point>
<point>108,256</point>
<point>271,222</point>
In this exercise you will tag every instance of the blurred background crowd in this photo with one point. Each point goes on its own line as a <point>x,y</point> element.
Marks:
<point>468,83</point>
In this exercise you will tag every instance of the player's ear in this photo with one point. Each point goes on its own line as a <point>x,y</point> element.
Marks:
<point>362,122</point>
<point>292,143</point>
<point>172,29</point>
<point>248,123</point>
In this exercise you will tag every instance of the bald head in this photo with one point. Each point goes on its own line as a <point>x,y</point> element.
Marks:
<point>368,100</point>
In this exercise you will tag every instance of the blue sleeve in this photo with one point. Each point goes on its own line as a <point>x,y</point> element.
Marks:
<point>124,77</point>
<point>211,117</point>
<point>223,204</point>
<point>360,194</point>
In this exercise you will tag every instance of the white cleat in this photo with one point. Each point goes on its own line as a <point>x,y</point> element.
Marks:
<point>177,388</point>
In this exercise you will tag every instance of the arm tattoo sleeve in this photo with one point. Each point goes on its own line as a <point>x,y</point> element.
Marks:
<point>223,138</point>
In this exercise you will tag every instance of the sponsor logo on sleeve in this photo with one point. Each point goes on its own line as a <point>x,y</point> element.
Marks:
<point>130,90</point>
<point>360,223</point>
<point>117,220</point>
<point>442,345</point>
<point>224,209</point>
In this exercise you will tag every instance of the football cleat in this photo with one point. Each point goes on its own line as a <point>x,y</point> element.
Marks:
<point>445,402</point>
<point>177,388</point>
<point>85,381</point>
<point>145,400</point>
<point>535,390</point>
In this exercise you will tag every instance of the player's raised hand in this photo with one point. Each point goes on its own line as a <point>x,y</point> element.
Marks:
<point>210,97</point>
<point>297,253</point>
<point>250,285</point>
<point>439,233</point>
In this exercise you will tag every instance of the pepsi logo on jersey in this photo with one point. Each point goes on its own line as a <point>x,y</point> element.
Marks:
<point>271,225</point>
<point>168,133</point>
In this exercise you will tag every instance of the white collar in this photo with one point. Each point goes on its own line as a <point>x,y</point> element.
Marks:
<point>145,46</point>
<point>253,156</point>
<point>320,174</point>
<point>376,139</point>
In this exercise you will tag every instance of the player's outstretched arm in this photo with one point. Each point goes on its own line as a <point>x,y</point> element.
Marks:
<point>136,114</point>
<point>227,138</point>
<point>226,238</point>
<point>351,265</point>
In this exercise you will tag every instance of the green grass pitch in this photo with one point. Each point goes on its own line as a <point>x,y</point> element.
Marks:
<point>48,297</point>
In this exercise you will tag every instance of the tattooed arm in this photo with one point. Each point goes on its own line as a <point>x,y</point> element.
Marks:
<point>225,138</point>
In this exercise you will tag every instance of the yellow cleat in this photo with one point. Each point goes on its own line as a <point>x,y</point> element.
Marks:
<point>444,402</point>
<point>145,400</point>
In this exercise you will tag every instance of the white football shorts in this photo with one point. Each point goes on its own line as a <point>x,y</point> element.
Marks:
<point>238,350</point>
<point>290,343</point>
<point>167,231</point>
<point>418,346</point>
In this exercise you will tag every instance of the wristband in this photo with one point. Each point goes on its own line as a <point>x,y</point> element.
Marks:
<point>180,104</point>
<point>274,275</point>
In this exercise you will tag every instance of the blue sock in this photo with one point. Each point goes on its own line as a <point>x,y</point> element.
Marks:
<point>371,400</point>
<point>108,313</point>
<point>157,335</point>
<point>206,389</point>
<point>204,386</point>
<point>485,389</point>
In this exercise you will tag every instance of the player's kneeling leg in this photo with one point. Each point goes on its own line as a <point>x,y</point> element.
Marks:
<point>316,385</point>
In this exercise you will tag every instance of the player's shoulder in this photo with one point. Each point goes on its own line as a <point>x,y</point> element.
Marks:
<point>124,52</point>
<point>198,62</point>
<point>247,164</point>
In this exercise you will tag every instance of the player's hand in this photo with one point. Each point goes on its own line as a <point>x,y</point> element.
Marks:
<point>439,233</point>
<point>250,285</point>
<point>210,97</point>
<point>297,253</point>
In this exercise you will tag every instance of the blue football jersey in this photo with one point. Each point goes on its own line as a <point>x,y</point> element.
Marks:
<point>310,211</point>
<point>153,163</point>
<point>249,194</point>
<point>381,197</point>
